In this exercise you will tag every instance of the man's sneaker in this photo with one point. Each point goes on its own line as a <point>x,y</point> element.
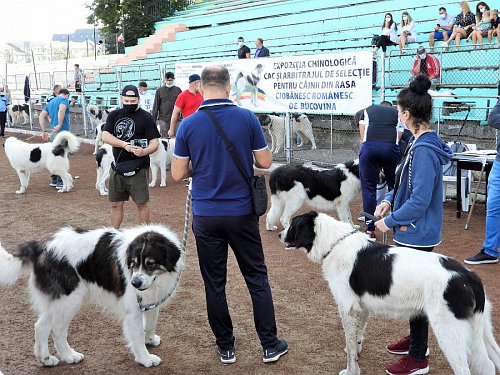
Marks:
<point>227,356</point>
<point>59,185</point>
<point>481,258</point>
<point>402,347</point>
<point>408,366</point>
<point>273,354</point>
<point>53,182</point>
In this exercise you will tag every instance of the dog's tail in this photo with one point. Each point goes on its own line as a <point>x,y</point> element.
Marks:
<point>12,265</point>
<point>489,340</point>
<point>67,141</point>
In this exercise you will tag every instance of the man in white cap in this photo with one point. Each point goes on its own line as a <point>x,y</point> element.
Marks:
<point>187,102</point>
<point>134,136</point>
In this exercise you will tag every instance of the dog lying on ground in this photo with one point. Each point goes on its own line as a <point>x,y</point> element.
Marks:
<point>294,185</point>
<point>26,158</point>
<point>130,272</point>
<point>161,159</point>
<point>276,127</point>
<point>399,282</point>
<point>17,111</point>
<point>104,158</point>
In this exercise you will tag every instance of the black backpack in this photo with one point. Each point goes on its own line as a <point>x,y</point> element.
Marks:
<point>450,169</point>
<point>375,39</point>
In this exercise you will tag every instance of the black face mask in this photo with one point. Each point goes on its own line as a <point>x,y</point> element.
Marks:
<point>129,108</point>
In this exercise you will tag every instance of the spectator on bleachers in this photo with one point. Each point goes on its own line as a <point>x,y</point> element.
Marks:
<point>187,103</point>
<point>389,35</point>
<point>146,98</point>
<point>408,31</point>
<point>260,50</point>
<point>495,27</point>
<point>426,64</point>
<point>78,77</point>
<point>481,7</point>
<point>243,50</point>
<point>464,25</point>
<point>482,28</point>
<point>443,28</point>
<point>163,105</point>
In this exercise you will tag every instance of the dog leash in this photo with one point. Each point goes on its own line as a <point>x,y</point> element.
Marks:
<point>374,219</point>
<point>187,214</point>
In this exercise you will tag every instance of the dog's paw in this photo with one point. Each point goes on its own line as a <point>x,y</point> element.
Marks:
<point>313,147</point>
<point>163,184</point>
<point>21,191</point>
<point>74,357</point>
<point>355,226</point>
<point>271,227</point>
<point>151,360</point>
<point>50,361</point>
<point>153,341</point>
<point>103,193</point>
<point>152,185</point>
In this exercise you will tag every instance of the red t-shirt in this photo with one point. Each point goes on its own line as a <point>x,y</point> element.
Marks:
<point>188,102</point>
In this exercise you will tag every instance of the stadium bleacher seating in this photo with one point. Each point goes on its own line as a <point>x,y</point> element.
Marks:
<point>292,27</point>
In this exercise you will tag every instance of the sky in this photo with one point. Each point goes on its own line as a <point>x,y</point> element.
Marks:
<point>34,20</point>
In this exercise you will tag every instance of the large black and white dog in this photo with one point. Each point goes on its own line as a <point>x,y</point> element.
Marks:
<point>26,158</point>
<point>129,272</point>
<point>367,277</point>
<point>293,185</point>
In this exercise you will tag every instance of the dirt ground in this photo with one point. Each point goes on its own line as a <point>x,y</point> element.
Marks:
<point>305,311</point>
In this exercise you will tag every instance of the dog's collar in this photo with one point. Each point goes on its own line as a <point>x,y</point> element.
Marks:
<point>340,240</point>
<point>151,306</point>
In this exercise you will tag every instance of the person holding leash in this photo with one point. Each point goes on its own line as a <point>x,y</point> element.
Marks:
<point>223,212</point>
<point>415,207</point>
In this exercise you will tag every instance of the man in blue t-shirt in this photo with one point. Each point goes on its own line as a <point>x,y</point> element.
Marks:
<point>57,110</point>
<point>223,212</point>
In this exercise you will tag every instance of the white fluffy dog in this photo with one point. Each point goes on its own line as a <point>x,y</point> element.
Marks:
<point>161,159</point>
<point>276,127</point>
<point>104,158</point>
<point>130,272</point>
<point>26,158</point>
<point>366,277</point>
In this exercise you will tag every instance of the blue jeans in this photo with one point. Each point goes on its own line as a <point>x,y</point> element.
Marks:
<point>492,237</point>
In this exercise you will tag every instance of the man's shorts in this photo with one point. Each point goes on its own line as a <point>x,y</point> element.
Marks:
<point>136,186</point>
<point>438,35</point>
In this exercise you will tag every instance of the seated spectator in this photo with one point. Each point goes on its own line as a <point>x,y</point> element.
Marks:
<point>443,28</point>
<point>481,7</point>
<point>465,23</point>
<point>408,32</point>
<point>482,28</point>
<point>427,65</point>
<point>389,34</point>
<point>243,50</point>
<point>495,27</point>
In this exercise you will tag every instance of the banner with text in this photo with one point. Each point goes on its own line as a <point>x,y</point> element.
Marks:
<point>336,83</point>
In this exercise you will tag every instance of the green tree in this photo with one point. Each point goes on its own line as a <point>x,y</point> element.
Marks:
<point>134,18</point>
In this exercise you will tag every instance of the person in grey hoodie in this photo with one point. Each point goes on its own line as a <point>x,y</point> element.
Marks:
<point>489,252</point>
<point>416,205</point>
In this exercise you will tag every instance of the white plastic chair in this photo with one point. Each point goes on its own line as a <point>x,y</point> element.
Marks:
<point>466,182</point>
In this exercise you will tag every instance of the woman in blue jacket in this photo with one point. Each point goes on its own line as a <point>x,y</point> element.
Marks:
<point>417,207</point>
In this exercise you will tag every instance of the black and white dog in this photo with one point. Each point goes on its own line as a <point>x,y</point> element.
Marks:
<point>26,158</point>
<point>398,282</point>
<point>104,158</point>
<point>130,272</point>
<point>275,125</point>
<point>17,111</point>
<point>293,185</point>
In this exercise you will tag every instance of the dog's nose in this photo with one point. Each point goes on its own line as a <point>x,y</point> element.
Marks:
<point>136,283</point>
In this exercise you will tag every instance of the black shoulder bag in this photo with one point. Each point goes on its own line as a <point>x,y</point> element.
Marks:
<point>257,183</point>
